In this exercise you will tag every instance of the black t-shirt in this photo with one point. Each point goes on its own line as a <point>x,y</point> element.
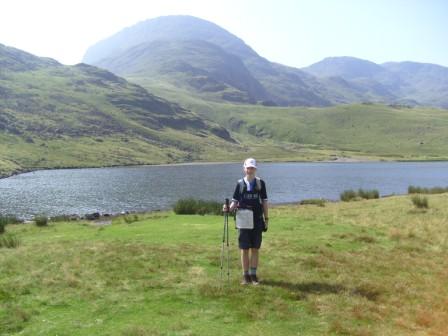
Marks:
<point>251,198</point>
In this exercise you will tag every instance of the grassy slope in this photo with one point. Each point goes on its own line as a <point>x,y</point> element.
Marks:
<point>66,117</point>
<point>362,131</point>
<point>268,133</point>
<point>369,130</point>
<point>53,126</point>
<point>374,267</point>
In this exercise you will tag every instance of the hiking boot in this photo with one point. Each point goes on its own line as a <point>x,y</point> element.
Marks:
<point>254,280</point>
<point>246,279</point>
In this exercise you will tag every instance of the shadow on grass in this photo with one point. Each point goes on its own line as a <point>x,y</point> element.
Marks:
<point>302,290</point>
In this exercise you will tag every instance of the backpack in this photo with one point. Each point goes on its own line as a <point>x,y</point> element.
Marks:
<point>242,185</point>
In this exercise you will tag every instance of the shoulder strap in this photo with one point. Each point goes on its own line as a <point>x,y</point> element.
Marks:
<point>258,183</point>
<point>242,184</point>
<point>258,188</point>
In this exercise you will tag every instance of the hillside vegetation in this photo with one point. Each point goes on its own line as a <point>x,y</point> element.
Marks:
<point>56,116</point>
<point>53,115</point>
<point>376,267</point>
<point>362,131</point>
<point>374,130</point>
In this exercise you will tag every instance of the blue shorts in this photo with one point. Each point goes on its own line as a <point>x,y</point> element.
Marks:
<point>250,238</point>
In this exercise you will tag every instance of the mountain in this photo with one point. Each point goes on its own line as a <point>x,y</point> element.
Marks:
<point>56,115</point>
<point>168,28</point>
<point>211,63</point>
<point>195,63</point>
<point>407,82</point>
<point>190,48</point>
<point>345,67</point>
<point>423,82</point>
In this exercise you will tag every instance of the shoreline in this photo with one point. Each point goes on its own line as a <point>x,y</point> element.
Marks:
<point>100,217</point>
<point>111,215</point>
<point>194,163</point>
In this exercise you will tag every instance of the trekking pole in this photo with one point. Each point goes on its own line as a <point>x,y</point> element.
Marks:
<point>225,235</point>
<point>228,249</point>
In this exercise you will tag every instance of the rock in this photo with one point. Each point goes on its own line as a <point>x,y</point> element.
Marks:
<point>92,216</point>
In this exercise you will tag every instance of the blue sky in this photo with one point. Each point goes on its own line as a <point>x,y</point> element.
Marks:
<point>296,33</point>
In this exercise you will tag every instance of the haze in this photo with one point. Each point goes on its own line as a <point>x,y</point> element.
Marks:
<point>295,33</point>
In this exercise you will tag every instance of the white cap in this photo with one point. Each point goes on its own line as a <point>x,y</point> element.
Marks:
<point>250,162</point>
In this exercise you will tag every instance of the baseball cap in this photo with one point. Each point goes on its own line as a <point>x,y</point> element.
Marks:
<point>250,162</point>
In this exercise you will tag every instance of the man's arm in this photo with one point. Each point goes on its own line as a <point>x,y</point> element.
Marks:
<point>234,203</point>
<point>264,198</point>
<point>265,210</point>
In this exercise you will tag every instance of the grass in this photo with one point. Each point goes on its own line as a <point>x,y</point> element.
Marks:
<point>420,202</point>
<point>80,116</point>
<point>9,241</point>
<point>344,130</point>
<point>267,133</point>
<point>352,195</point>
<point>421,190</point>
<point>41,220</point>
<point>191,206</point>
<point>316,201</point>
<point>77,116</point>
<point>5,220</point>
<point>373,267</point>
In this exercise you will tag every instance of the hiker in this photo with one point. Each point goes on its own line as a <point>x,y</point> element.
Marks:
<point>250,194</point>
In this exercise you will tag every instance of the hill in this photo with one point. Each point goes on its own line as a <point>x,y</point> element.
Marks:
<point>56,116</point>
<point>345,67</point>
<point>357,268</point>
<point>202,57</point>
<point>194,64</point>
<point>409,83</point>
<point>281,85</point>
<point>358,131</point>
<point>423,82</point>
<point>394,132</point>
<point>53,115</point>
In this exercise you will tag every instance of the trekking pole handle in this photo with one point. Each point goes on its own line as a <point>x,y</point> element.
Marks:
<point>227,207</point>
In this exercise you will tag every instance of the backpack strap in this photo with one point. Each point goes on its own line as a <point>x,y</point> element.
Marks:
<point>242,185</point>
<point>258,188</point>
<point>257,184</point>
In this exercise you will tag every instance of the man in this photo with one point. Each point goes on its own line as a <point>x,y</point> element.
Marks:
<point>250,193</point>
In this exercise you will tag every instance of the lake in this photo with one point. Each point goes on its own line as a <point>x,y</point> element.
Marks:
<point>144,188</point>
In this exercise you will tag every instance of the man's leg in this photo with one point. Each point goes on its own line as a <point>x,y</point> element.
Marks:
<point>253,265</point>
<point>245,266</point>
<point>253,258</point>
<point>245,260</point>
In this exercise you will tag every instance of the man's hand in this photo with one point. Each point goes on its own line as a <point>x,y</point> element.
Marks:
<point>231,208</point>
<point>266,224</point>
<point>225,208</point>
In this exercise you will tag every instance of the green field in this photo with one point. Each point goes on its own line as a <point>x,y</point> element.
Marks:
<point>360,131</point>
<point>376,267</point>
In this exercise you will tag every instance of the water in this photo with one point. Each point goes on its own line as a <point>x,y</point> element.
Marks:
<point>143,188</point>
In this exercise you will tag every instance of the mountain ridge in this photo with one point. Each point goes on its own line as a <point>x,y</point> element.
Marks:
<point>219,71</point>
<point>181,28</point>
<point>425,83</point>
<point>283,85</point>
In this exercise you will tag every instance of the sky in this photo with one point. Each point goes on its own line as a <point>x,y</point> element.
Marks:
<point>291,32</point>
